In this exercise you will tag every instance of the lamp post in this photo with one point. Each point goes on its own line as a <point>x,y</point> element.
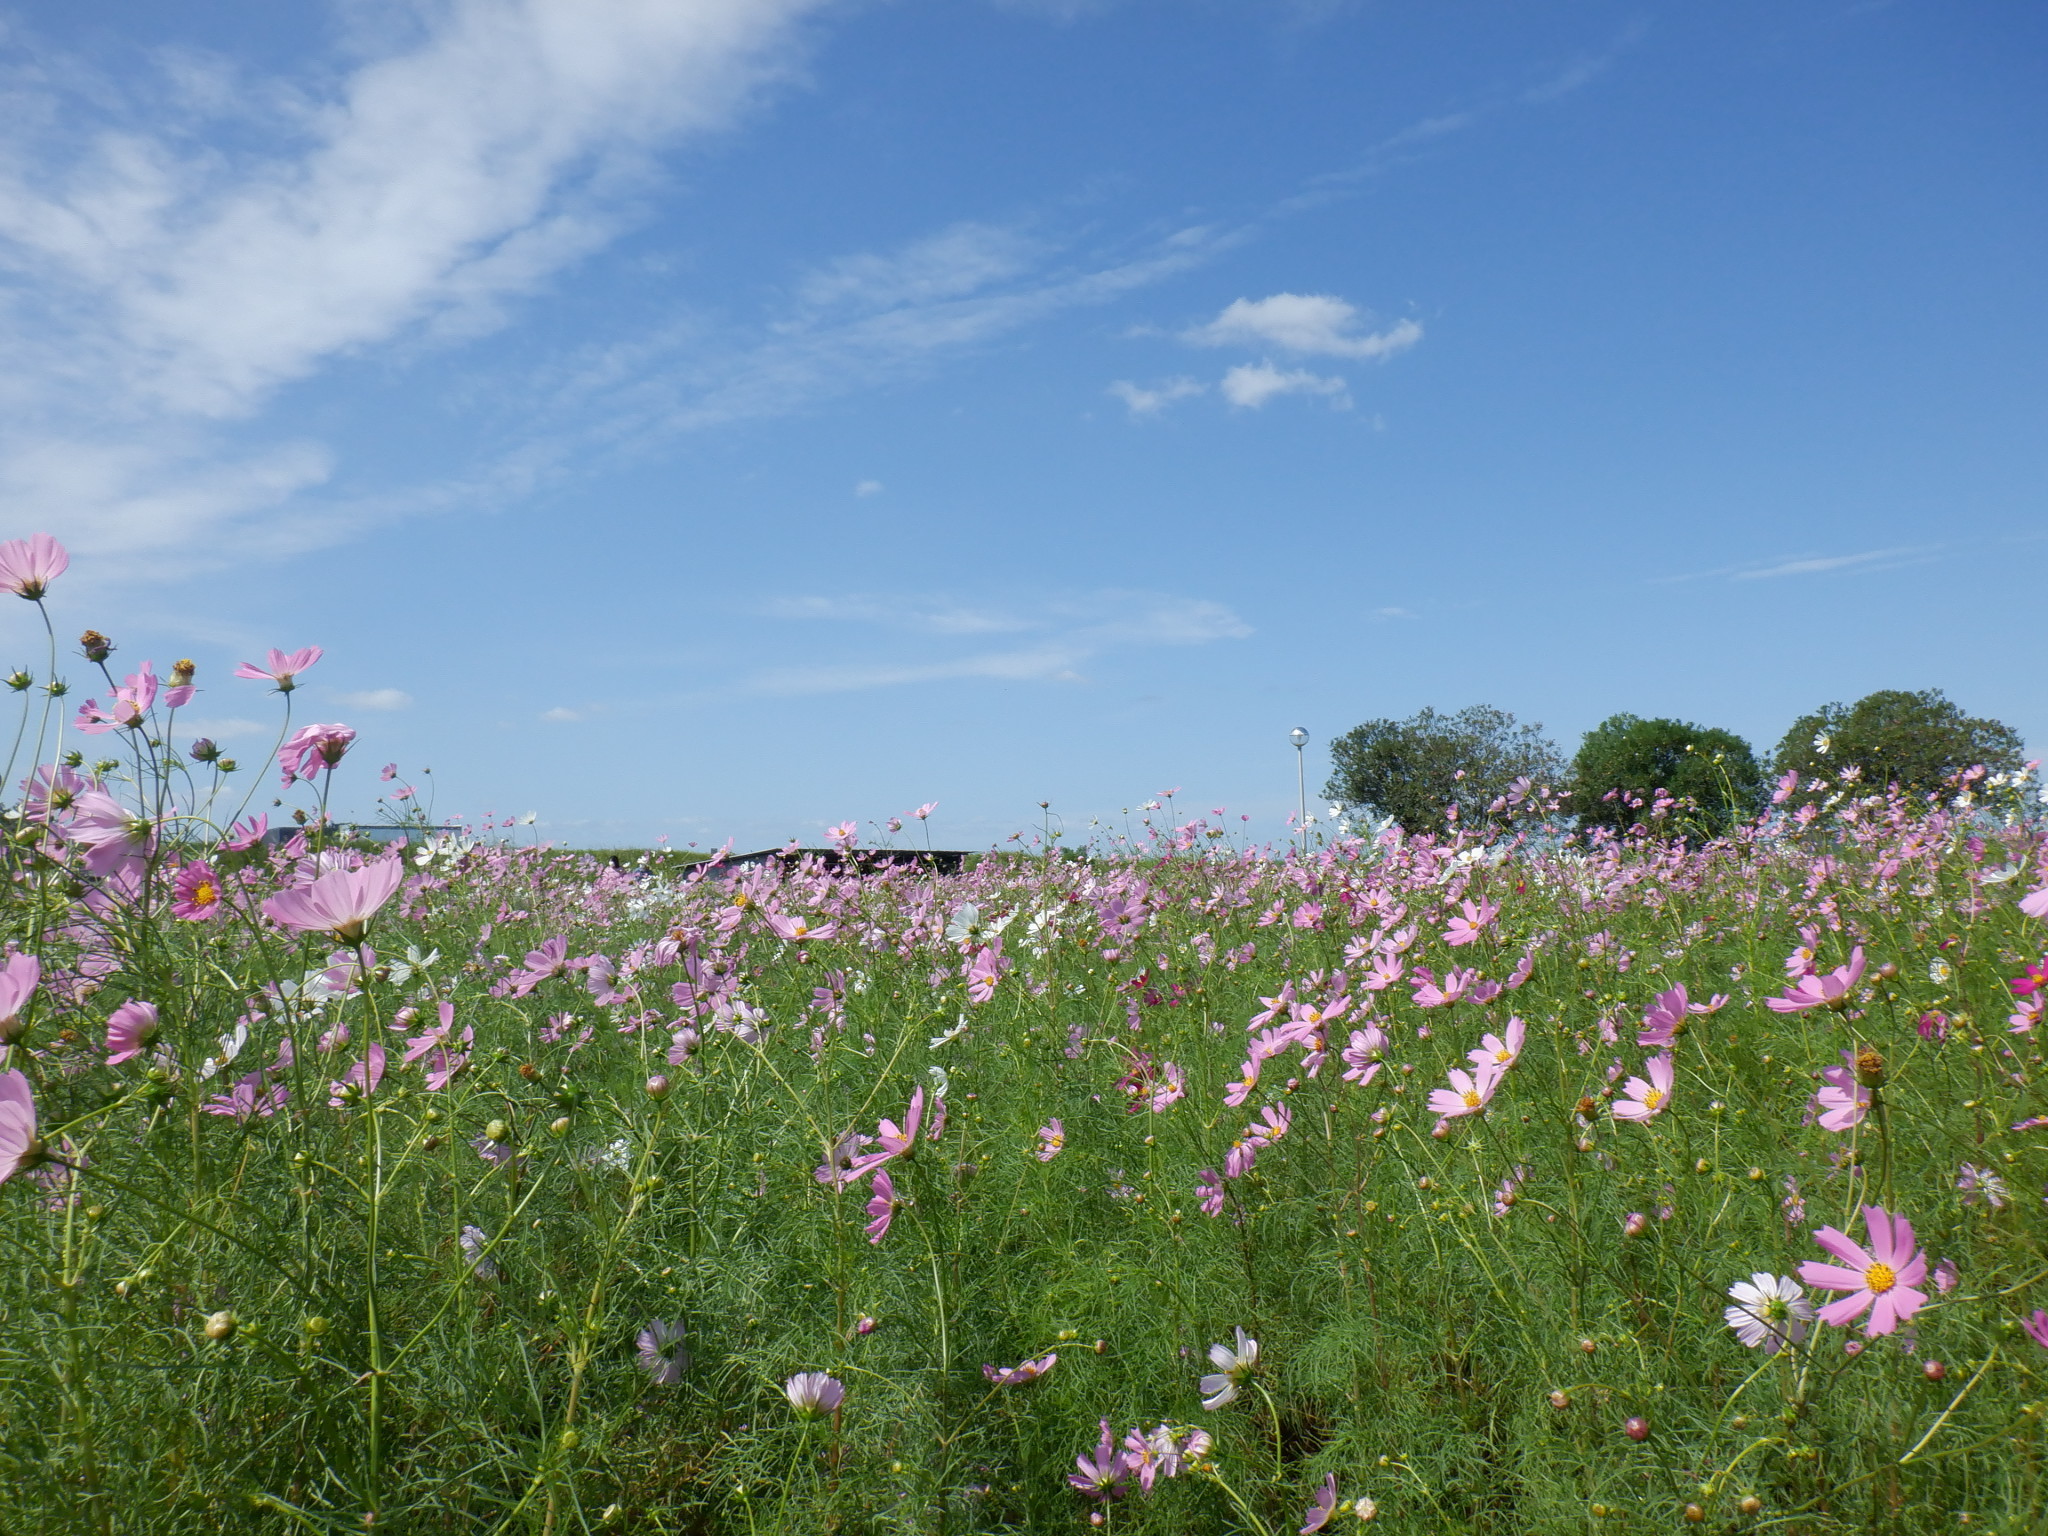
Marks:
<point>1300,739</point>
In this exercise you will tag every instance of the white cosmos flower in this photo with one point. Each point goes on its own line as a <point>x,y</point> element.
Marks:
<point>1770,1311</point>
<point>950,1035</point>
<point>1233,1367</point>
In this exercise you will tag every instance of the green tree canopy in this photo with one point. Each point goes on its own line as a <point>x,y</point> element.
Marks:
<point>1918,741</point>
<point>1414,769</point>
<point>1712,773</point>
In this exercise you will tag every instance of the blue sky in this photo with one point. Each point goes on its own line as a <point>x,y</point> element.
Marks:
<point>725,417</point>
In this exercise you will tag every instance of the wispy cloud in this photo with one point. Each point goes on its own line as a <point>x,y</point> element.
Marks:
<point>163,277</point>
<point>376,698</point>
<point>1066,634</point>
<point>1150,402</point>
<point>1816,565</point>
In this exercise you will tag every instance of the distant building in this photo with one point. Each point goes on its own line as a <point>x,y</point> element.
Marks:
<point>939,861</point>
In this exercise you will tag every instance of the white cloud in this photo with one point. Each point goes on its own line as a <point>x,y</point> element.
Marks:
<point>868,488</point>
<point>377,698</point>
<point>1317,324</point>
<point>1071,631</point>
<point>559,715</point>
<point>1251,385</point>
<point>1150,402</point>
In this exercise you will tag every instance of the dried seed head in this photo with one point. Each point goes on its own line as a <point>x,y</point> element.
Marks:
<point>221,1326</point>
<point>1869,1066</point>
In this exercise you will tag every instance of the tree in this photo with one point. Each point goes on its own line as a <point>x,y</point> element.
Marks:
<point>1625,760</point>
<point>1415,769</point>
<point>1918,741</point>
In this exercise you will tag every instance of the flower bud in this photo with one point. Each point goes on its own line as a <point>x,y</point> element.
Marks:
<point>221,1326</point>
<point>96,646</point>
<point>559,1126</point>
<point>1694,1514</point>
<point>498,1130</point>
<point>204,750</point>
<point>1560,1400</point>
<point>1869,1066</point>
<point>1751,1505</point>
<point>1888,970</point>
<point>657,1087</point>
<point>19,681</point>
<point>1637,1429</point>
<point>316,1326</point>
<point>1633,1226</point>
<point>1934,1370</point>
<point>181,672</point>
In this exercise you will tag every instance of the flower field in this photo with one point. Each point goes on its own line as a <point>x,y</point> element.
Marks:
<point>1517,1182</point>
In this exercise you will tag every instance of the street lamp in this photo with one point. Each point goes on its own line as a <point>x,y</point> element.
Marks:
<point>1300,739</point>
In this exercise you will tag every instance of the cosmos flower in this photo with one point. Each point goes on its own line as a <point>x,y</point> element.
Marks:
<point>1233,1368</point>
<point>1467,1095</point>
<point>474,1242</point>
<point>1880,1281</point>
<point>1770,1311</point>
<point>881,1206</point>
<point>28,566</point>
<point>284,668</point>
<point>1647,1100</point>
<point>1500,1052</point>
<point>130,1028</point>
<point>813,1394</point>
<point>340,902</point>
<point>19,1148</point>
<point>1209,1189</point>
<point>19,976</point>
<point>195,893</point>
<point>1841,1102</point>
<point>1052,1140</point>
<point>1816,991</point>
<point>660,1353</point>
<point>1102,1476</point>
<point>313,748</point>
<point>1017,1375</point>
<point>1325,1504</point>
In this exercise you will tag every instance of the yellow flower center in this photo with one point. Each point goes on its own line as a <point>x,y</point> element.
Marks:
<point>1879,1278</point>
<point>204,894</point>
<point>1472,1099</point>
<point>1652,1099</point>
<point>1503,1056</point>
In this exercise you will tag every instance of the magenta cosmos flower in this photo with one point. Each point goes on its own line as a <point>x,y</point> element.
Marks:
<point>284,668</point>
<point>1323,1508</point>
<point>195,893</point>
<point>2037,1327</point>
<point>129,1030</point>
<point>1881,1281</point>
<point>1647,1100</point>
<point>894,1142</point>
<point>19,1148</point>
<point>340,902</point>
<point>881,1206</point>
<point>1103,1475</point>
<point>1829,991</point>
<point>28,566</point>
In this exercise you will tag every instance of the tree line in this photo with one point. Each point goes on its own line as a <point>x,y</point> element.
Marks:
<point>1433,771</point>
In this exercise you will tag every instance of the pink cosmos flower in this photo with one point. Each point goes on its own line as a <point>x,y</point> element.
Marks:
<point>129,1030</point>
<point>245,834</point>
<point>925,810</point>
<point>1647,1100</point>
<point>1209,1188</point>
<point>284,667</point>
<point>1323,1508</point>
<point>110,834</point>
<point>1495,1051</point>
<point>312,748</point>
<point>881,1206</point>
<point>1664,1020</point>
<point>1881,1281</point>
<point>1787,786</point>
<point>126,710</point>
<point>2037,1327</point>
<point>843,836</point>
<point>248,1099</point>
<point>1052,1140</point>
<point>1467,1095</point>
<point>1432,995</point>
<point>1362,1055</point>
<point>2035,903</point>
<point>1843,1102</point>
<point>340,902</point>
<point>1101,1476</point>
<point>360,1081</point>
<point>1017,1375</point>
<point>195,893</point>
<point>983,972</point>
<point>2031,979</point>
<point>28,566</point>
<point>19,1148</point>
<point>1467,929</point>
<point>19,975</point>
<point>1829,991</point>
<point>800,930</point>
<point>659,1350</point>
<point>1172,1088</point>
<point>892,1141</point>
<point>1245,1083</point>
<point>814,1394</point>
